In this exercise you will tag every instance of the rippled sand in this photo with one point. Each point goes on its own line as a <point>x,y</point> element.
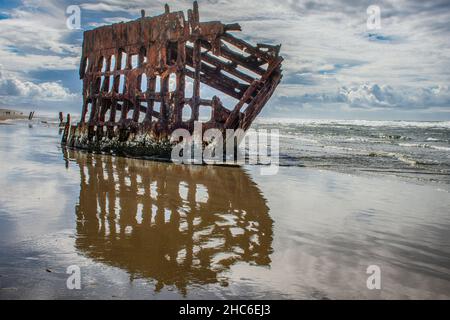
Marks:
<point>147,230</point>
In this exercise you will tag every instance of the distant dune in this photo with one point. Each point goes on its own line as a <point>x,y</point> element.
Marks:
<point>6,114</point>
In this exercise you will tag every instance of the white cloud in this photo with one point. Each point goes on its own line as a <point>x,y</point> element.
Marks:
<point>34,37</point>
<point>385,96</point>
<point>40,27</point>
<point>108,21</point>
<point>372,96</point>
<point>26,90</point>
<point>102,7</point>
<point>35,62</point>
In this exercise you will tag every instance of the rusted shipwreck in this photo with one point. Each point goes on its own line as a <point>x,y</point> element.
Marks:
<point>136,77</point>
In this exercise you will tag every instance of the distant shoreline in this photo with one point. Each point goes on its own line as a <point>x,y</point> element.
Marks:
<point>9,114</point>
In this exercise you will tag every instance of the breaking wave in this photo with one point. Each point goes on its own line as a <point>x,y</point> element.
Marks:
<point>360,145</point>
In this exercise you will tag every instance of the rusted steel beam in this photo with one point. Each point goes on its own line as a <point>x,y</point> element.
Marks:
<point>214,81</point>
<point>246,47</point>
<point>229,67</point>
<point>255,107</point>
<point>142,109</point>
<point>197,65</point>
<point>249,63</point>
<point>233,120</point>
<point>209,74</point>
<point>233,27</point>
<point>134,80</point>
<point>66,129</point>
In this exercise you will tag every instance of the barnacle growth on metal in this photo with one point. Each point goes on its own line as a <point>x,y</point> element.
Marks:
<point>136,75</point>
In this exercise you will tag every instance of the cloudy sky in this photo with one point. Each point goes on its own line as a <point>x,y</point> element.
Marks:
<point>334,66</point>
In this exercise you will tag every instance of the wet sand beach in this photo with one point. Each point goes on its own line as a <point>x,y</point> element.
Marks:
<point>140,229</point>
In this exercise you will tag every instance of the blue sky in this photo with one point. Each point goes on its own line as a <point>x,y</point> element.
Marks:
<point>334,67</point>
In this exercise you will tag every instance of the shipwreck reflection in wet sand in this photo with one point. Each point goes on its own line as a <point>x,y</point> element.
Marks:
<point>178,225</point>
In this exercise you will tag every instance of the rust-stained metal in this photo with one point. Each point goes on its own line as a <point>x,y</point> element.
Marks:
<point>135,77</point>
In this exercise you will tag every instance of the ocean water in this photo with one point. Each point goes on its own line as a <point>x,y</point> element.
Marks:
<point>410,149</point>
